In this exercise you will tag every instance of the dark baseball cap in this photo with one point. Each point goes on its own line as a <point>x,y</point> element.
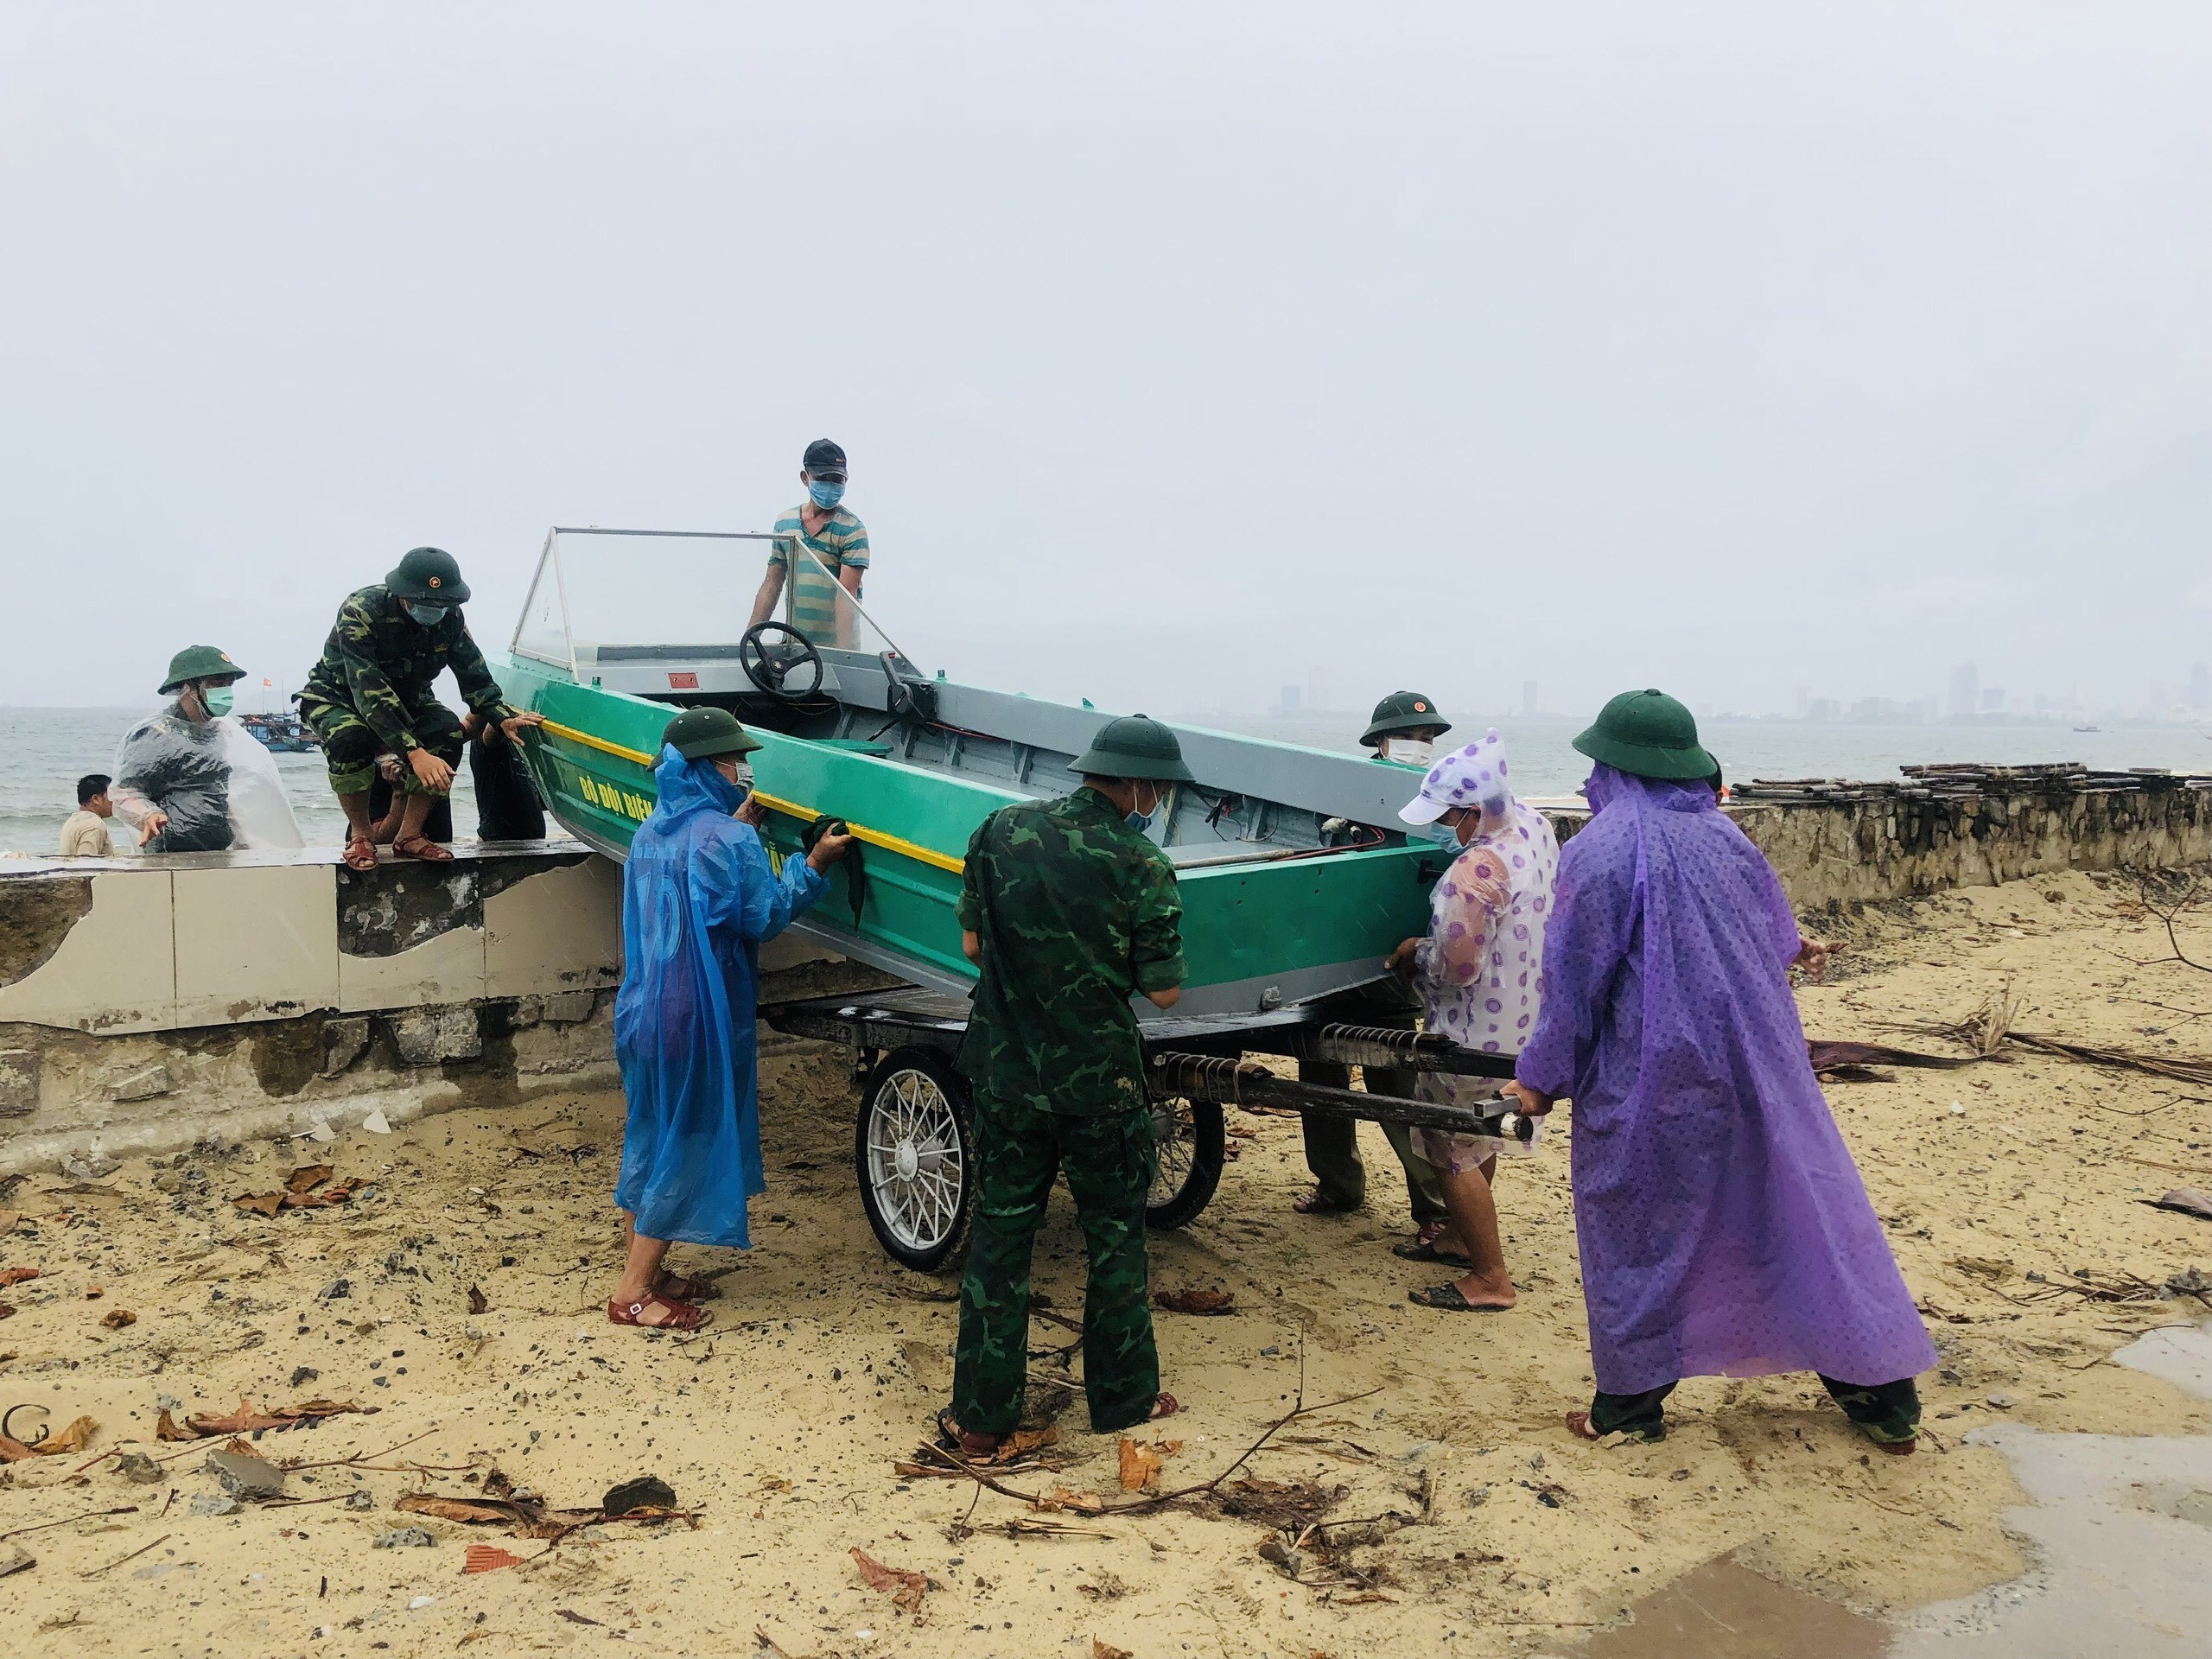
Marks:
<point>823,456</point>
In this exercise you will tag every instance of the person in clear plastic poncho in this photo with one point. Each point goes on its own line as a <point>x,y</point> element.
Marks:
<point>1478,969</point>
<point>699,897</point>
<point>190,778</point>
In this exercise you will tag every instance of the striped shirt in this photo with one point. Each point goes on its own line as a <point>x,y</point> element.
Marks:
<point>841,544</point>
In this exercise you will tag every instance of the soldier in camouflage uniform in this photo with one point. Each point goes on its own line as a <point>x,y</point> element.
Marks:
<point>1069,911</point>
<point>370,695</point>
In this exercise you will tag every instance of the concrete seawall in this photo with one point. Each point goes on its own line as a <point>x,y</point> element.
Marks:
<point>146,1004</point>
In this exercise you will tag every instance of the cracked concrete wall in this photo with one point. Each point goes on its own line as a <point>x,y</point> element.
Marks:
<point>170,944</point>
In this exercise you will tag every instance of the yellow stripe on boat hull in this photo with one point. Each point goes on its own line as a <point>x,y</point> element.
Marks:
<point>898,844</point>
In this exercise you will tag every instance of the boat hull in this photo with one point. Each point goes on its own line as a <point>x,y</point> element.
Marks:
<point>1258,934</point>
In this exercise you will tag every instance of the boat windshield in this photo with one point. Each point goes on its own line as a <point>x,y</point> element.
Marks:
<point>607,597</point>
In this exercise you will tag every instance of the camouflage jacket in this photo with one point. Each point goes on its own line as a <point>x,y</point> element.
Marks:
<point>379,662</point>
<point>1076,912</point>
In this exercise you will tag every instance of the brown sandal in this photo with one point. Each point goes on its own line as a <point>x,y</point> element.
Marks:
<point>1165,1405</point>
<point>676,1316</point>
<point>1578,1424</point>
<point>360,853</point>
<point>682,1287</point>
<point>1315,1204</point>
<point>423,847</point>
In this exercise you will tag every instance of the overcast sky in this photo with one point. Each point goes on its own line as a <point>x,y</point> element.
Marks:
<point>1180,352</point>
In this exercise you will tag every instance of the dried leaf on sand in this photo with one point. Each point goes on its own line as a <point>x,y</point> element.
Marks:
<point>454,1508</point>
<point>1081,1502</point>
<point>74,1438</point>
<point>243,1421</point>
<point>116,1318</point>
<point>1107,1650</point>
<point>298,1197</point>
<point>1140,1465</point>
<point>908,1588</point>
<point>478,1302</point>
<point>17,1276</point>
<point>246,1419</point>
<point>307,1176</point>
<point>1196,1300</point>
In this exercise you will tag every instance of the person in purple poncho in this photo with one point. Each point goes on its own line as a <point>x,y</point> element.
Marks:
<point>1723,1226</point>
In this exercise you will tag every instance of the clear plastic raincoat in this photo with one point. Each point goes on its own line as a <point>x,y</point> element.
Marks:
<point>698,898</point>
<point>217,785</point>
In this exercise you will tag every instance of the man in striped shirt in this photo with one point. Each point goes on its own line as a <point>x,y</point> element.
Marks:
<point>834,537</point>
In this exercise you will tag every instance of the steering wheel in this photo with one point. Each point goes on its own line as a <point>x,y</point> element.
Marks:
<point>775,658</point>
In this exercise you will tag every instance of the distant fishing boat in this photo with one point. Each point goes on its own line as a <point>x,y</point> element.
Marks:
<point>282,733</point>
<point>2087,729</point>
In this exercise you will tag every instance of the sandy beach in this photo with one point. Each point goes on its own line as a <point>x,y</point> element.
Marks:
<point>1469,1521</point>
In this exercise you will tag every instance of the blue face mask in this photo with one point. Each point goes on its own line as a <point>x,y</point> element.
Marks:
<point>428,615</point>
<point>827,492</point>
<point>1142,821</point>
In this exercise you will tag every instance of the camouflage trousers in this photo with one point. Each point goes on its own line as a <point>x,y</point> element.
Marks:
<point>1108,1161</point>
<point>350,746</point>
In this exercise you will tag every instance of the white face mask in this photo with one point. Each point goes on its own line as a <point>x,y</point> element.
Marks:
<point>1413,752</point>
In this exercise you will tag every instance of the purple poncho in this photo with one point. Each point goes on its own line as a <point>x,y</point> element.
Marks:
<point>1723,1226</point>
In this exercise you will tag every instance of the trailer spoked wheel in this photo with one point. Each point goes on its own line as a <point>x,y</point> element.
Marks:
<point>915,1160</point>
<point>1191,1140</point>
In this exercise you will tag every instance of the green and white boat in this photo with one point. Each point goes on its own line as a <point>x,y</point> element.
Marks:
<point>1297,879</point>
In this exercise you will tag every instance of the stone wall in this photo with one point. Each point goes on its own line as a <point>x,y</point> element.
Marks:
<point>1873,844</point>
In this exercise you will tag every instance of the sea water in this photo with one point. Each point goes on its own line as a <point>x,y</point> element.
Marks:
<point>44,751</point>
<point>1541,750</point>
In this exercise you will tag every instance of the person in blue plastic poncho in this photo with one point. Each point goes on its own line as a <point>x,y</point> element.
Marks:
<point>698,897</point>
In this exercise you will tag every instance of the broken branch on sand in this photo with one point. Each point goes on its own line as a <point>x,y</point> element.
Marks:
<point>1145,1505</point>
<point>89,1515</point>
<point>366,1460</point>
<point>2170,913</point>
<point>1989,1028</point>
<point>95,1571</point>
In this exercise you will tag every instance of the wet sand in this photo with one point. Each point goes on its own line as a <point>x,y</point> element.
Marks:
<point>781,1423</point>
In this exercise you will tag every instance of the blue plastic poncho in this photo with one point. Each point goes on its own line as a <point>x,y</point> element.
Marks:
<point>698,897</point>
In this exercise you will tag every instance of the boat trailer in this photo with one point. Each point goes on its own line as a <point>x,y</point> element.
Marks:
<point>913,1147</point>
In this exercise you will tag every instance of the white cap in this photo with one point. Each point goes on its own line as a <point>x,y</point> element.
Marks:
<point>1474,776</point>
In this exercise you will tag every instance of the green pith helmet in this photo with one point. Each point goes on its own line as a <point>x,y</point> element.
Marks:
<point>1649,735</point>
<point>1403,712</point>
<point>200,662</point>
<point>1135,746</point>
<point>428,575</point>
<point>699,734</point>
